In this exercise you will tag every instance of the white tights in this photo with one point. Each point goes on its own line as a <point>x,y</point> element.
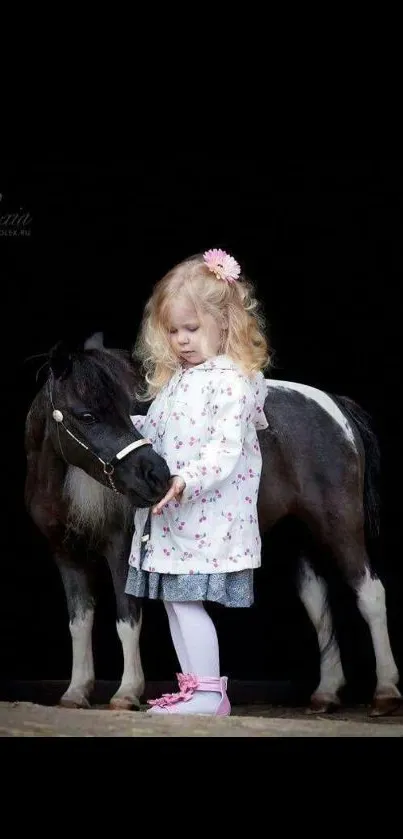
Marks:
<point>194,638</point>
<point>196,645</point>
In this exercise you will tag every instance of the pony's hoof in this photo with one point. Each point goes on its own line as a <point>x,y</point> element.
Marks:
<point>382,706</point>
<point>124,703</point>
<point>323,703</point>
<point>74,701</point>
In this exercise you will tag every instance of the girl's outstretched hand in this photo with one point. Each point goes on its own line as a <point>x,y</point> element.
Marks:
<point>175,490</point>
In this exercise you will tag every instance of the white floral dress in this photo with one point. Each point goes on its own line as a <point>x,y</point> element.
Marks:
<point>204,422</point>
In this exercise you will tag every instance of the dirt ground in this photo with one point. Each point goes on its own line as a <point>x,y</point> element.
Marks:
<point>26,719</point>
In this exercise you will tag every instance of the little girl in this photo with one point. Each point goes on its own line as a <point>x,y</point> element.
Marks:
<point>203,349</point>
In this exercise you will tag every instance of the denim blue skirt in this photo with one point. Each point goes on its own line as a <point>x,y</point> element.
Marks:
<point>234,589</point>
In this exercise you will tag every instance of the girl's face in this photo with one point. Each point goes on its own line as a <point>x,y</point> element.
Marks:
<point>192,341</point>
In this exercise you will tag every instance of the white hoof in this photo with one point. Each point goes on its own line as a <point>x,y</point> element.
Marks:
<point>125,699</point>
<point>76,697</point>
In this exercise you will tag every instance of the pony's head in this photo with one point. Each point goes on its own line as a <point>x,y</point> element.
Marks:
<point>90,398</point>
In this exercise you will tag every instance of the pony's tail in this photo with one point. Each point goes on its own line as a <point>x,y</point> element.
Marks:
<point>363,424</point>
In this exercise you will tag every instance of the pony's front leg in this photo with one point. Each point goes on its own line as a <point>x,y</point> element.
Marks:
<point>132,683</point>
<point>128,625</point>
<point>80,604</point>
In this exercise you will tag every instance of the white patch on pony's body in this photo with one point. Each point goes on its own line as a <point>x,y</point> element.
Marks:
<point>132,683</point>
<point>313,591</point>
<point>82,677</point>
<point>372,605</point>
<point>321,399</point>
<point>90,503</point>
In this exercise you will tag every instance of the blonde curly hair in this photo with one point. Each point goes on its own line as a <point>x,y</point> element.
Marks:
<point>233,306</point>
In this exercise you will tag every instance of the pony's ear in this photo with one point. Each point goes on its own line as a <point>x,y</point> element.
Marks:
<point>60,360</point>
<point>95,342</point>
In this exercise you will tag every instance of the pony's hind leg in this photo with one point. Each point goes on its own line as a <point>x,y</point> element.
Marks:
<point>371,602</point>
<point>80,604</point>
<point>312,591</point>
<point>128,626</point>
<point>348,547</point>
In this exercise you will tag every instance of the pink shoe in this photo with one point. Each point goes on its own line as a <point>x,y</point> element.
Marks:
<point>188,685</point>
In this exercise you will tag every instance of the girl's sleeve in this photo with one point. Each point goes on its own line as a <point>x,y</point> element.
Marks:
<point>224,430</point>
<point>138,421</point>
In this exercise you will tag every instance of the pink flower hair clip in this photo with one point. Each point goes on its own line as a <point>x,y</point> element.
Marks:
<point>224,266</point>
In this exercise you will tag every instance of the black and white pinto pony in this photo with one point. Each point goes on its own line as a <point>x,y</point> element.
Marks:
<point>87,468</point>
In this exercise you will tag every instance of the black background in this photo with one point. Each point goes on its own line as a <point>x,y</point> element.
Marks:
<point>322,241</point>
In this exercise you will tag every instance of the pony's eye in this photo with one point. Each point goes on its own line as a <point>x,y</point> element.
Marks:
<point>87,417</point>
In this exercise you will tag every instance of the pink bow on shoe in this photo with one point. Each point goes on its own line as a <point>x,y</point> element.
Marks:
<point>187,684</point>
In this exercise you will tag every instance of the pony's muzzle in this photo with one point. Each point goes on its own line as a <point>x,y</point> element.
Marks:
<point>155,473</point>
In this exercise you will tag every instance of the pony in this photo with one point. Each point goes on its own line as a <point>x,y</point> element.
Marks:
<point>87,468</point>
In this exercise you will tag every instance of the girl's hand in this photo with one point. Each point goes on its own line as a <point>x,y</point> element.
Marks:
<point>176,489</point>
